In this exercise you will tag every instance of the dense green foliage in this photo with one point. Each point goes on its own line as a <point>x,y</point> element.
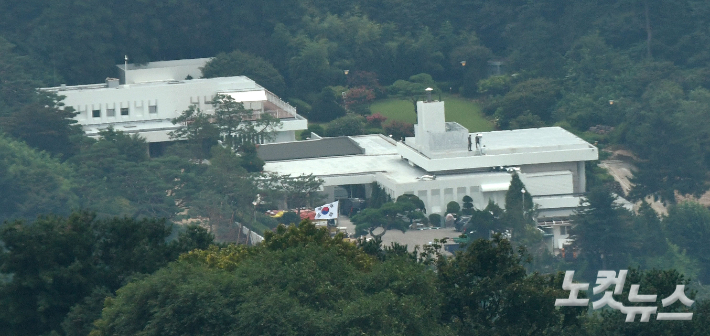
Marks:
<point>638,66</point>
<point>56,264</point>
<point>397,215</point>
<point>610,237</point>
<point>32,183</point>
<point>303,282</point>
<point>242,64</point>
<point>604,231</point>
<point>486,288</point>
<point>294,288</point>
<point>113,176</point>
<point>300,280</point>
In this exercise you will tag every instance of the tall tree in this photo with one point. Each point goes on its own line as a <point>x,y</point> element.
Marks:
<point>518,205</point>
<point>310,70</point>
<point>301,191</point>
<point>118,179</point>
<point>238,63</point>
<point>603,232</point>
<point>240,125</point>
<point>20,77</point>
<point>535,96</point>
<point>326,106</point>
<point>32,183</point>
<point>280,287</point>
<point>659,137</point>
<point>53,263</point>
<point>397,215</point>
<point>197,128</point>
<point>46,124</point>
<point>486,291</point>
<point>688,225</point>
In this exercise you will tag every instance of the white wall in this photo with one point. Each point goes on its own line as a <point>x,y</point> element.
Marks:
<point>485,161</point>
<point>170,99</point>
<point>430,116</point>
<point>167,100</point>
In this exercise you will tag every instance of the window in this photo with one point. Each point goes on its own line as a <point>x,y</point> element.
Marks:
<point>96,113</point>
<point>153,109</point>
<point>124,111</point>
<point>563,230</point>
<point>110,112</point>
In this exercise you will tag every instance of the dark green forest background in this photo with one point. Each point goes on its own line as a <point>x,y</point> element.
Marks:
<point>638,68</point>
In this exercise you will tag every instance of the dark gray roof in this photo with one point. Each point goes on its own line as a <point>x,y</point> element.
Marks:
<point>309,149</point>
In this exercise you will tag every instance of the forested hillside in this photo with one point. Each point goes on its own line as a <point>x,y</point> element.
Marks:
<point>630,73</point>
<point>638,66</point>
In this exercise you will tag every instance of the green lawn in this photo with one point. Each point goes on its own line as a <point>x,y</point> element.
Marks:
<point>463,111</point>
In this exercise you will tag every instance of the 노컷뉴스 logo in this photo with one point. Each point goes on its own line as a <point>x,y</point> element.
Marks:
<point>608,278</point>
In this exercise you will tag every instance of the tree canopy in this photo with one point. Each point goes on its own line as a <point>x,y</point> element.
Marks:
<point>59,264</point>
<point>238,63</point>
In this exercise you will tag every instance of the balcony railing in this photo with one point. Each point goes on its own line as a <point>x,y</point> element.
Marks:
<point>286,107</point>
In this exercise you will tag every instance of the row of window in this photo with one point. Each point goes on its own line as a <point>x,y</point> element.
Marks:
<point>111,112</point>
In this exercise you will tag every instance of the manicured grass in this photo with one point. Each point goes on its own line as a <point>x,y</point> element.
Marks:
<point>464,111</point>
<point>467,113</point>
<point>395,109</point>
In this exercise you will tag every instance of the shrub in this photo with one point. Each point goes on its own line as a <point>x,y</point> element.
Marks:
<point>435,220</point>
<point>358,99</point>
<point>467,205</point>
<point>314,128</point>
<point>376,120</point>
<point>453,207</point>
<point>399,129</point>
<point>289,218</point>
<point>351,124</point>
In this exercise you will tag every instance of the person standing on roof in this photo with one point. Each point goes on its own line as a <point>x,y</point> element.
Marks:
<point>478,140</point>
<point>469,142</point>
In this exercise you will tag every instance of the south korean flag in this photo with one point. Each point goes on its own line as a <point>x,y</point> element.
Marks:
<point>328,211</point>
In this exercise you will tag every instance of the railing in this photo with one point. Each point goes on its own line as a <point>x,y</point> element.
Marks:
<point>554,222</point>
<point>278,114</point>
<point>286,107</point>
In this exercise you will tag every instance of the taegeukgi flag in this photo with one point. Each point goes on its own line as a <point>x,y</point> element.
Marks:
<point>328,211</point>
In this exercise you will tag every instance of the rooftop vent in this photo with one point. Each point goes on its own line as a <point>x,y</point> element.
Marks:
<point>112,83</point>
<point>428,94</point>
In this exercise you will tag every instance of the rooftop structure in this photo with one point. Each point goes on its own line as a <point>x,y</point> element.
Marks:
<point>148,107</point>
<point>445,148</point>
<point>161,71</point>
<point>437,166</point>
<point>310,149</point>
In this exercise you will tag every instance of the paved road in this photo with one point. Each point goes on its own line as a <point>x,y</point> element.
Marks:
<point>411,238</point>
<point>621,171</point>
<point>621,168</point>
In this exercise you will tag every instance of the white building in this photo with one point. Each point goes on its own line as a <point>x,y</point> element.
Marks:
<point>161,71</point>
<point>437,166</point>
<point>158,92</point>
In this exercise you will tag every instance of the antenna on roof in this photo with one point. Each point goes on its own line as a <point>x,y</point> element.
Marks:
<point>125,69</point>
<point>428,94</point>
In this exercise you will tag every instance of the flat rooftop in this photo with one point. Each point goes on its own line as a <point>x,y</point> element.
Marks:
<point>379,155</point>
<point>365,154</point>
<point>376,150</point>
<point>504,148</point>
<point>530,140</point>
<point>325,147</point>
<point>225,84</point>
<point>166,64</point>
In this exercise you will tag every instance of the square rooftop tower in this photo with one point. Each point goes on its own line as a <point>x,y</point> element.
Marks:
<point>440,146</point>
<point>433,135</point>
